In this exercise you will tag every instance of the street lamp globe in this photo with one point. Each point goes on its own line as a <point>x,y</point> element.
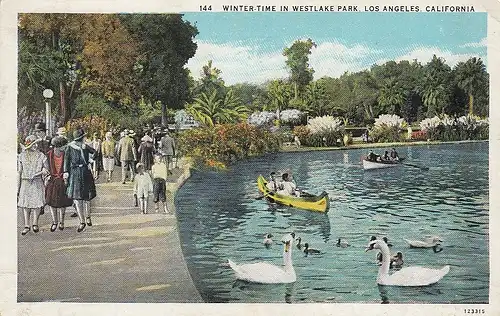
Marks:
<point>47,93</point>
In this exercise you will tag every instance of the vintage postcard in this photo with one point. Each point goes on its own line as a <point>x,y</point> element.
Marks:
<point>279,157</point>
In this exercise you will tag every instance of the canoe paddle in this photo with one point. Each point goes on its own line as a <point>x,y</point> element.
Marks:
<point>415,166</point>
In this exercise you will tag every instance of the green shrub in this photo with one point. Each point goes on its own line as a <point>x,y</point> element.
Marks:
<point>223,144</point>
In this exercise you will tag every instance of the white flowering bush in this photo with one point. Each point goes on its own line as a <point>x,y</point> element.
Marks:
<point>291,116</point>
<point>324,131</point>
<point>323,124</point>
<point>388,128</point>
<point>389,120</point>
<point>449,128</point>
<point>261,118</point>
<point>430,123</point>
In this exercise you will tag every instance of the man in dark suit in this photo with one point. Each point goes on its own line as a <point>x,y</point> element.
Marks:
<point>41,133</point>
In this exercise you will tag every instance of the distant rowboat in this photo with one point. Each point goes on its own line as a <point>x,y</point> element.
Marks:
<point>369,165</point>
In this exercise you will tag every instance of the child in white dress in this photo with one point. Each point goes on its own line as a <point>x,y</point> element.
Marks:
<point>143,187</point>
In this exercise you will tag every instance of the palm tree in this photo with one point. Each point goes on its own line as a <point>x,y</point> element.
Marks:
<point>469,75</point>
<point>210,110</point>
<point>279,94</point>
<point>315,99</point>
<point>391,97</point>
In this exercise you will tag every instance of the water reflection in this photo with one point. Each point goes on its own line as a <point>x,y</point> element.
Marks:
<point>220,218</point>
<point>384,290</point>
<point>250,288</point>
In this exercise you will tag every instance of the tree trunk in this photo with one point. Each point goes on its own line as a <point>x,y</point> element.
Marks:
<point>62,97</point>
<point>471,104</point>
<point>163,114</point>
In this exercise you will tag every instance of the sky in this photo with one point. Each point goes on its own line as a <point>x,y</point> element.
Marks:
<point>247,47</point>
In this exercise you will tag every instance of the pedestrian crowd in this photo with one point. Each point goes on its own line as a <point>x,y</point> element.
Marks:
<point>60,173</point>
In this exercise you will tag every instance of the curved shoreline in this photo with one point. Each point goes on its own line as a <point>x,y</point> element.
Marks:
<point>186,166</point>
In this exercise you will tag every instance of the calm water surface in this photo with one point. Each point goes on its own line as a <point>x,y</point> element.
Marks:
<point>220,219</point>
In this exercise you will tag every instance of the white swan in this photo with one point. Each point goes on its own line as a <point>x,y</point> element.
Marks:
<point>411,276</point>
<point>263,272</point>
<point>429,242</point>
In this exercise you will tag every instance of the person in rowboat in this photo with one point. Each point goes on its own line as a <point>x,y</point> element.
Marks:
<point>372,156</point>
<point>394,155</point>
<point>386,156</point>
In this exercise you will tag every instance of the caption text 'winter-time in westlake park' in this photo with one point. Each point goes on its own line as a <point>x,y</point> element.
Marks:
<point>142,139</point>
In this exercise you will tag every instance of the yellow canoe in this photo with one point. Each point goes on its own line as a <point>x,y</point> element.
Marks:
<point>319,203</point>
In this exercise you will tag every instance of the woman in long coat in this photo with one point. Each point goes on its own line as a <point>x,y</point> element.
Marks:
<point>81,185</point>
<point>55,191</point>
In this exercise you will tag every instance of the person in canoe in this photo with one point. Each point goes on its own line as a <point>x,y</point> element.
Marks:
<point>394,155</point>
<point>272,184</point>
<point>287,186</point>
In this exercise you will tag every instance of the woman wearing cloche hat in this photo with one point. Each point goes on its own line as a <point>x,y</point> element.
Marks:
<point>31,165</point>
<point>80,182</point>
<point>55,191</point>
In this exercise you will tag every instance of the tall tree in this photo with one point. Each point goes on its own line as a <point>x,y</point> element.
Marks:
<point>96,54</point>
<point>298,62</point>
<point>316,99</point>
<point>391,97</point>
<point>470,76</point>
<point>436,87</point>
<point>166,46</point>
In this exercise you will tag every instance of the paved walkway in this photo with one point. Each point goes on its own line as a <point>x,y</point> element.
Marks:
<point>125,256</point>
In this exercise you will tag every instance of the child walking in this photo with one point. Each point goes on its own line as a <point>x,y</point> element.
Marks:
<point>143,187</point>
<point>159,172</point>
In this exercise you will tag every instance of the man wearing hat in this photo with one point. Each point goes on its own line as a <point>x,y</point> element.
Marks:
<point>41,133</point>
<point>167,146</point>
<point>77,174</point>
<point>128,156</point>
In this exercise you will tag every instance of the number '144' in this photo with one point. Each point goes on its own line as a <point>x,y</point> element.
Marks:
<point>205,8</point>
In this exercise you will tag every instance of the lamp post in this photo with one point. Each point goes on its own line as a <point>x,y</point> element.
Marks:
<point>48,94</point>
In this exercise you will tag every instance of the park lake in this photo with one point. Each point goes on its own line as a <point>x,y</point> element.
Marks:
<point>220,218</point>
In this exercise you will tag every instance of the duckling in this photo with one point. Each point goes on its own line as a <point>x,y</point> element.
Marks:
<point>308,250</point>
<point>267,240</point>
<point>342,243</point>
<point>299,245</point>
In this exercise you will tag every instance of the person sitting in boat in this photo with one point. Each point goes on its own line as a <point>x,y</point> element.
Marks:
<point>386,156</point>
<point>394,155</point>
<point>272,184</point>
<point>287,187</point>
<point>372,156</point>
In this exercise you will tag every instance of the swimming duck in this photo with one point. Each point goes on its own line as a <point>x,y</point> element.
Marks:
<point>342,243</point>
<point>386,240</point>
<point>308,250</point>
<point>299,245</point>
<point>267,240</point>
<point>266,273</point>
<point>410,276</point>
